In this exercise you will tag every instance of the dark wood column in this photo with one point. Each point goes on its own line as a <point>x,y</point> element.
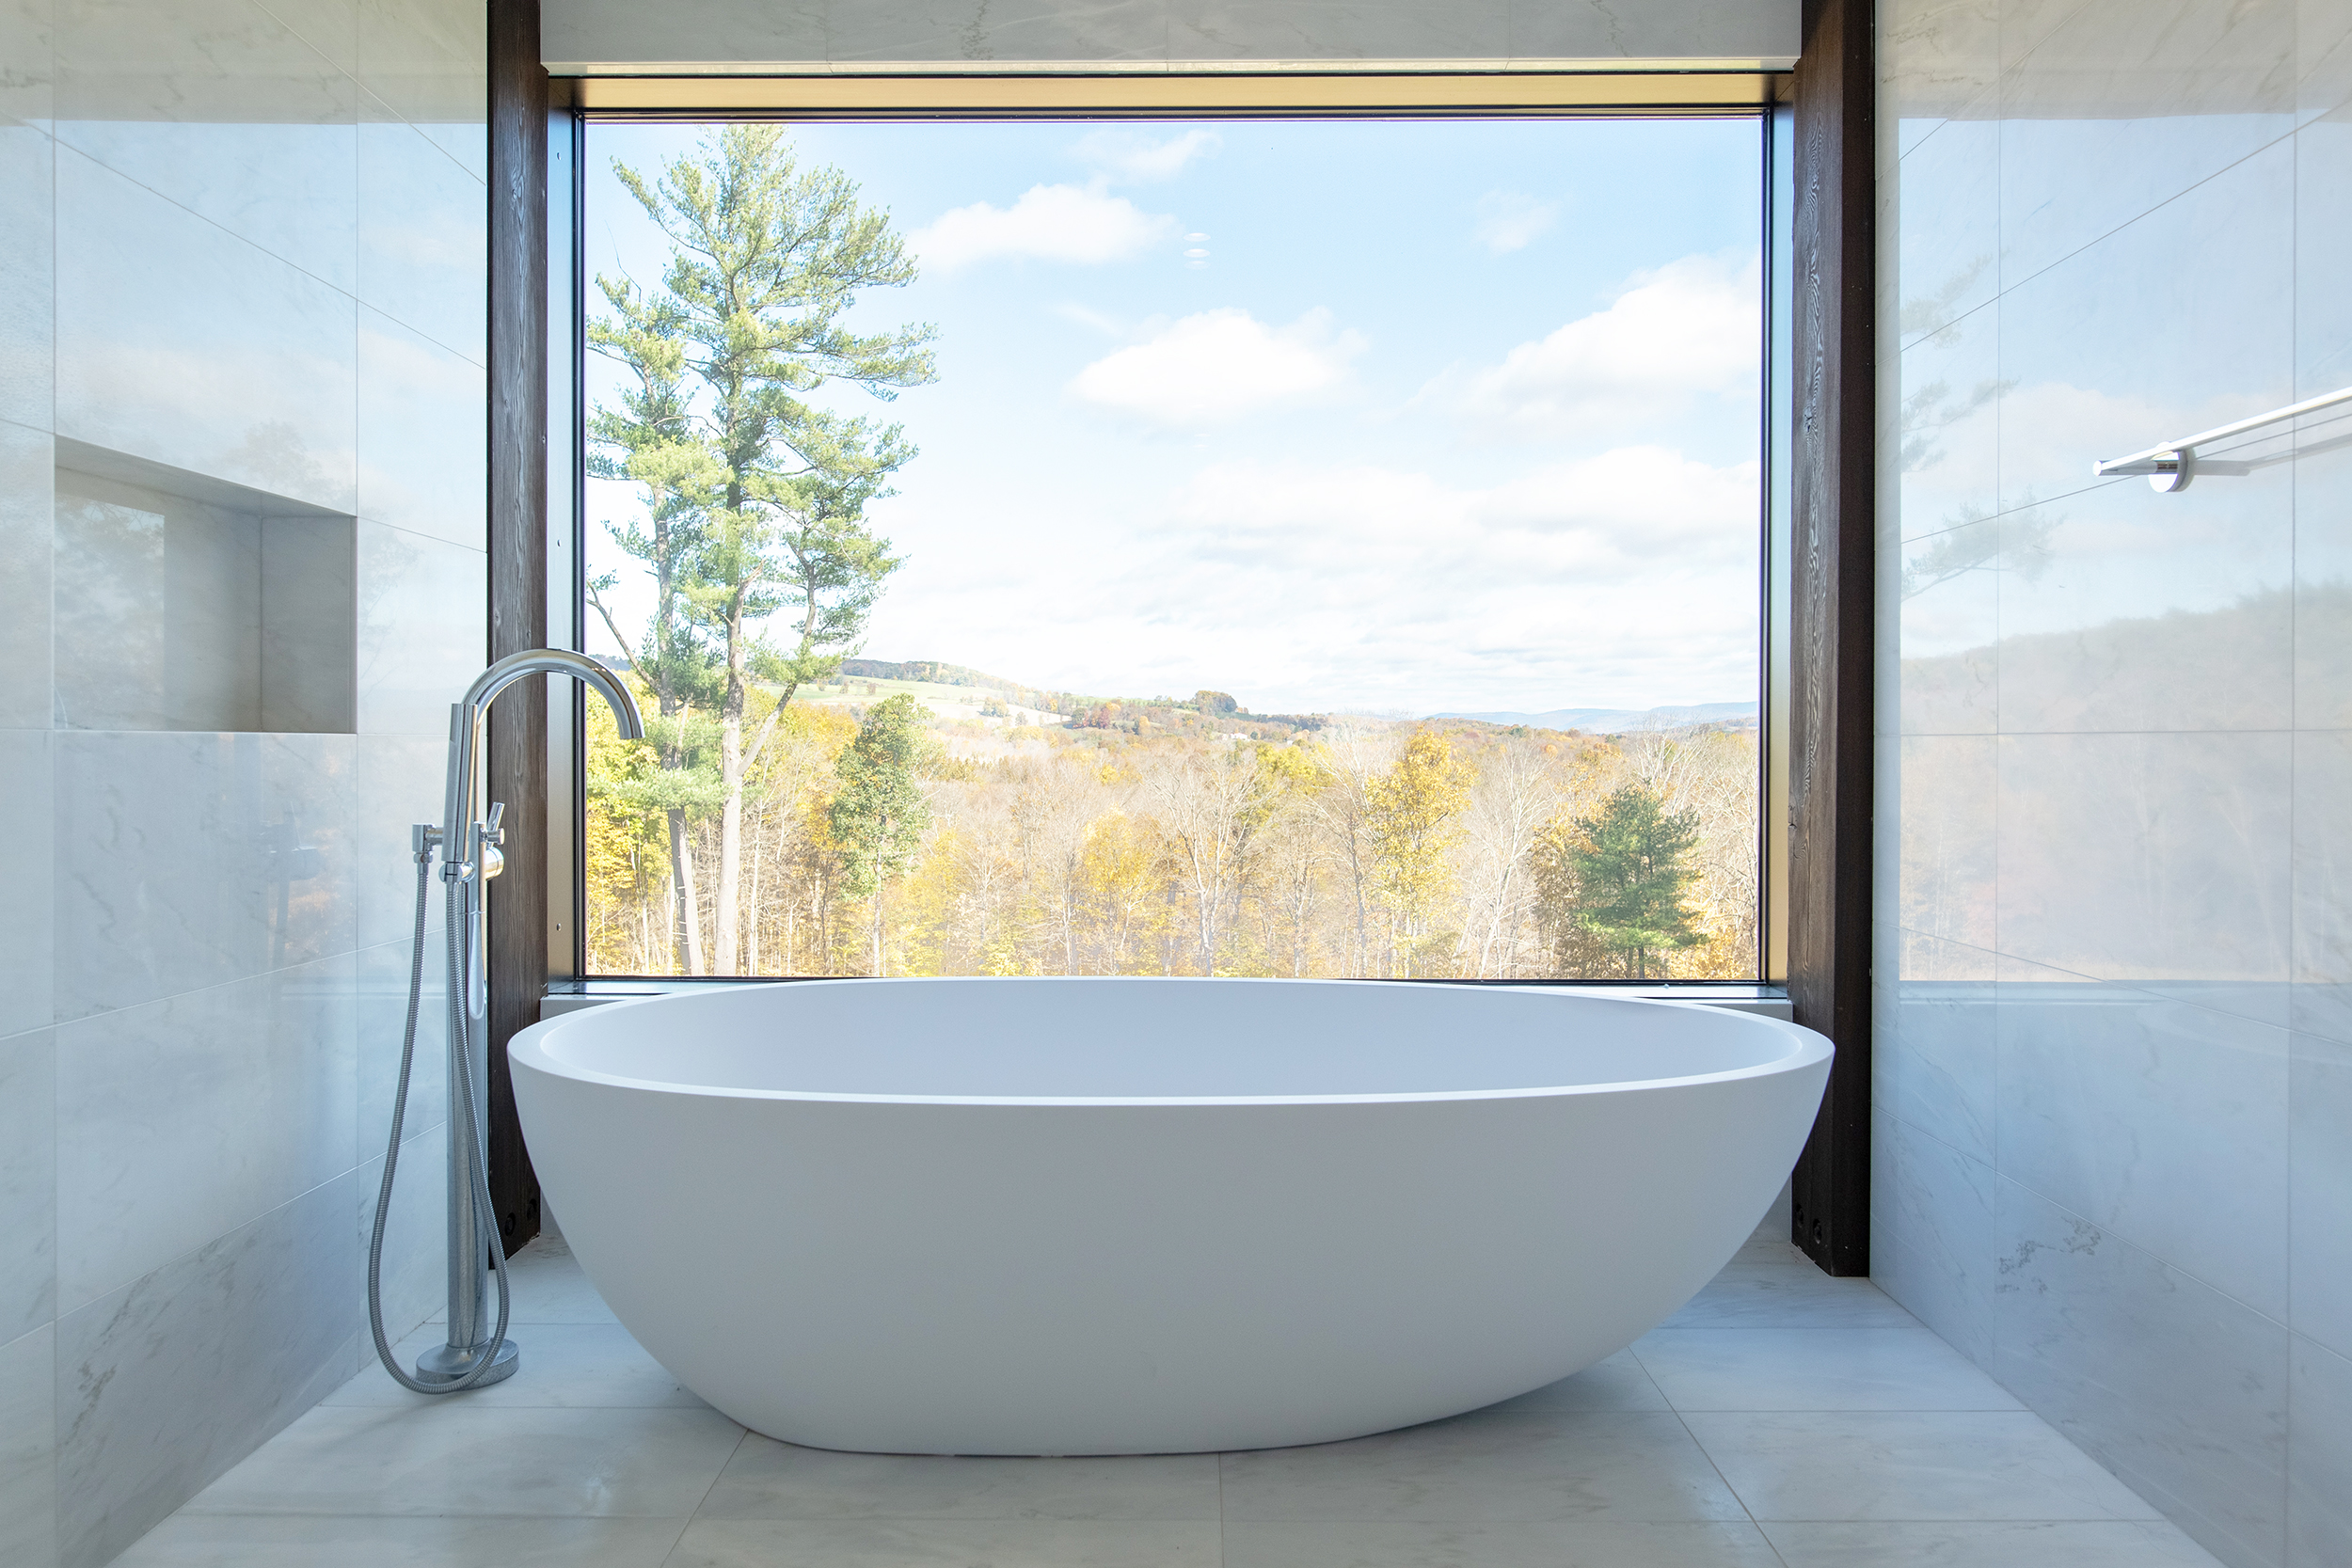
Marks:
<point>1831,620</point>
<point>518,574</point>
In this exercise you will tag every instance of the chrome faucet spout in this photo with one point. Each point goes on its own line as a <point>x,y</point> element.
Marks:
<point>468,714</point>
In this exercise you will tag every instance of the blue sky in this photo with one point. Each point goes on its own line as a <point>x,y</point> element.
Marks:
<point>1360,416</point>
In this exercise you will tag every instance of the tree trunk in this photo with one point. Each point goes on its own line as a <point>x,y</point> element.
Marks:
<point>751,937</point>
<point>731,813</point>
<point>729,937</point>
<point>690,909</point>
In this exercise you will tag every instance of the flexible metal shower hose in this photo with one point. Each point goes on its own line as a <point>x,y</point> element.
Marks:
<point>461,1062</point>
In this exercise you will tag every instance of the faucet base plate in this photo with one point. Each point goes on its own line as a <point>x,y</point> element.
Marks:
<point>448,1363</point>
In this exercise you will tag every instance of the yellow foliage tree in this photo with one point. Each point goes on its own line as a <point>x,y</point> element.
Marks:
<point>1124,872</point>
<point>628,857</point>
<point>1414,813</point>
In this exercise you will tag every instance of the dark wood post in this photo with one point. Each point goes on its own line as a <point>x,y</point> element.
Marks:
<point>1831,620</point>
<point>518,574</point>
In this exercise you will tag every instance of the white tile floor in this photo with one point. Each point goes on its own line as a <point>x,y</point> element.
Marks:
<point>1783,1419</point>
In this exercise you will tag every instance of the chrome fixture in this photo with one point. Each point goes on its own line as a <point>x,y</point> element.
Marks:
<point>2171,465</point>
<point>471,845</point>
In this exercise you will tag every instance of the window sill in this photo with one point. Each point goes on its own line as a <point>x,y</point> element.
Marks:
<point>1746,996</point>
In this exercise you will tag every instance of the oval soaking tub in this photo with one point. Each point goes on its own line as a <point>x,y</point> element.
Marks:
<point>1088,1216</point>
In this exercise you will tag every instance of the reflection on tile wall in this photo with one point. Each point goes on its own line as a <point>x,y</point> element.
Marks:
<point>241,244</point>
<point>2114,1093</point>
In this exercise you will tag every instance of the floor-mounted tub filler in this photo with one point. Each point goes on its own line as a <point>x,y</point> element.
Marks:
<point>469,843</point>
<point>1092,1216</point>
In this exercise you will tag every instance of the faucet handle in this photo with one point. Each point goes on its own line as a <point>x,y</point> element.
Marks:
<point>491,831</point>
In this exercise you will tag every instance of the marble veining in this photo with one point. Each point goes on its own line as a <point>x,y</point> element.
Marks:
<point>168,1382</point>
<point>2176,1388</point>
<point>183,1119</point>
<point>1933,1234</point>
<point>2131,1110</point>
<point>1941,1070</point>
<point>189,861</point>
<point>245,243</point>
<point>2130,1212</point>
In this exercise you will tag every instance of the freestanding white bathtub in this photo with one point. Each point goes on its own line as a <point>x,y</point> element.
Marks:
<point>1078,1216</point>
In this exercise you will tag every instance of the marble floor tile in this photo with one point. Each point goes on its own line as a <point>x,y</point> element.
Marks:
<point>1803,1368</point>
<point>1776,1251</point>
<point>594,1456</point>
<point>548,1288</point>
<point>453,1459</point>
<point>947,1544</point>
<point>1583,1544</point>
<point>1877,1465</point>
<point>586,1366</point>
<point>2115,1544</point>
<point>280,1540</point>
<point>768,1479</point>
<point>1792,1296</point>
<point>1616,1384</point>
<point>1633,1467</point>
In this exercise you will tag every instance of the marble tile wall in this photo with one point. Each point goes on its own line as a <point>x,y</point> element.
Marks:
<point>2113,1131</point>
<point>1140,34</point>
<point>242,239</point>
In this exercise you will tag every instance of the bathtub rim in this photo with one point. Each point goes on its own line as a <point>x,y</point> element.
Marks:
<point>529,1047</point>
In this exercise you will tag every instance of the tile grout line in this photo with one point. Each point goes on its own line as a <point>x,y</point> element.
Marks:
<point>1676,1410</point>
<point>1221,1550</point>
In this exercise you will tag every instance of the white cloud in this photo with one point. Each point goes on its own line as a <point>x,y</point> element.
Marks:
<point>1605,519</point>
<point>1626,578</point>
<point>1053,223</point>
<point>1218,366</point>
<point>1509,220</point>
<point>1689,327</point>
<point>1138,157</point>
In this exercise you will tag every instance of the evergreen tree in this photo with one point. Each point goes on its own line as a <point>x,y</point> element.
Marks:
<point>1631,877</point>
<point>880,812</point>
<point>757,495</point>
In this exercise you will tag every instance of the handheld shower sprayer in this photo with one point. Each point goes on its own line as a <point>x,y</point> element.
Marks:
<point>471,844</point>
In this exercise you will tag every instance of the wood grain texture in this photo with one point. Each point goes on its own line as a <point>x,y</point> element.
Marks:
<point>1830,618</point>
<point>518,574</point>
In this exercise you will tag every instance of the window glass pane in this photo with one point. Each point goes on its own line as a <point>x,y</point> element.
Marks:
<point>1294,547</point>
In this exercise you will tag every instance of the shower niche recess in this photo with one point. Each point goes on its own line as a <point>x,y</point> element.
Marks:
<point>185,602</point>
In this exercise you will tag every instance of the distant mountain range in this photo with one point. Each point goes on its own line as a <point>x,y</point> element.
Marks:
<point>1592,721</point>
<point>1618,720</point>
